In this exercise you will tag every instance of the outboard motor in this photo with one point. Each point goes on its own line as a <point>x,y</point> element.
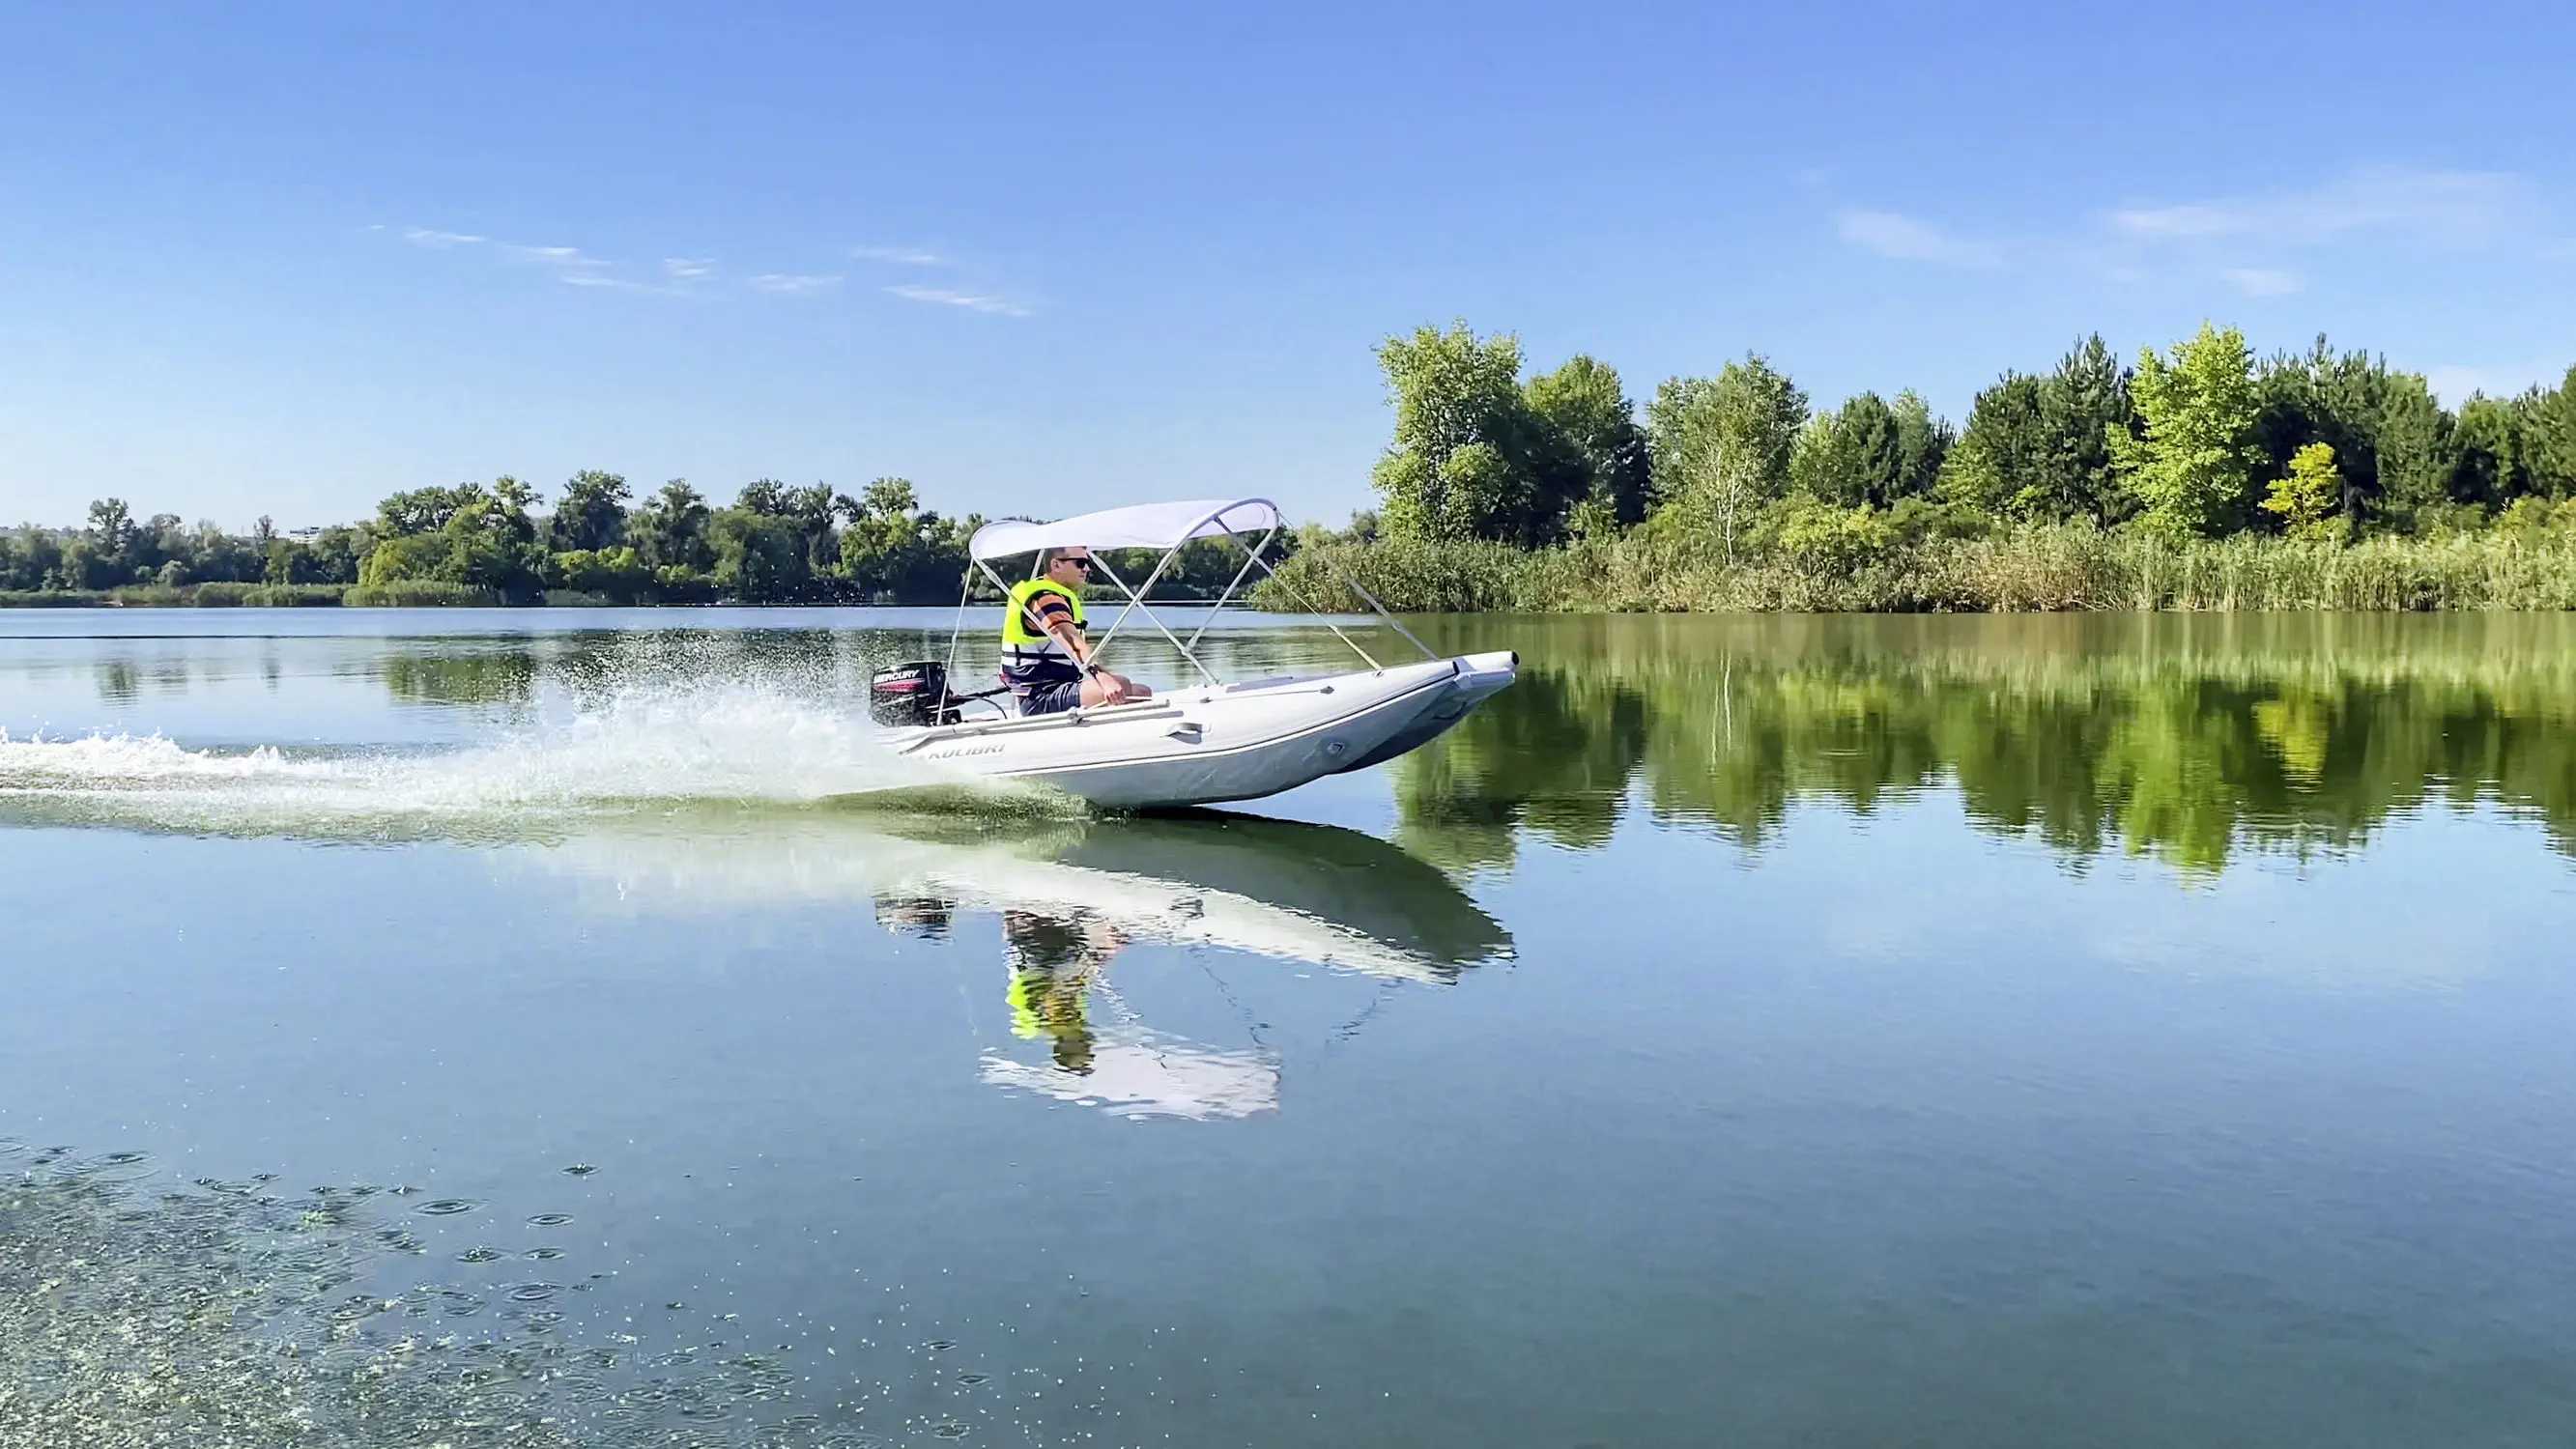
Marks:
<point>909,694</point>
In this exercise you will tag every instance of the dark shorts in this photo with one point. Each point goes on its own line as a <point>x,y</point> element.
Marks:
<point>1053,697</point>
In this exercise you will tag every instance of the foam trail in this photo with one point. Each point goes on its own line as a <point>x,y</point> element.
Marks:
<point>636,746</point>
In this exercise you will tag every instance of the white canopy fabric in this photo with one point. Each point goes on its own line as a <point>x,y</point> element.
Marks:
<point>1145,525</point>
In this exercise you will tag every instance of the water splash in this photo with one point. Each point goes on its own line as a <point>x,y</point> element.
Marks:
<point>638,746</point>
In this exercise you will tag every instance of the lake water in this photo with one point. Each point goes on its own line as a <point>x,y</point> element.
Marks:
<point>564,1028</point>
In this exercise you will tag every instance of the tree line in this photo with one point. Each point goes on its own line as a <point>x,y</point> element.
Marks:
<point>1791,505</point>
<point>777,543</point>
<point>495,543</point>
<point>2199,441</point>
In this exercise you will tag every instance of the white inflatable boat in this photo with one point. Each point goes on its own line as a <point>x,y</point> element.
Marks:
<point>1199,743</point>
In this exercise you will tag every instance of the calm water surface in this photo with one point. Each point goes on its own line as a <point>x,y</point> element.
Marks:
<point>565,1028</point>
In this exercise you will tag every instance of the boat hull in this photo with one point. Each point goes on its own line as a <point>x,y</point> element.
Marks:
<point>1204,746</point>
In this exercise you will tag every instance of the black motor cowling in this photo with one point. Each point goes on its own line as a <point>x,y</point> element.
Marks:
<point>908,694</point>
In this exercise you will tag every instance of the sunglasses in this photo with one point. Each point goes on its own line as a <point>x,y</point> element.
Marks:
<point>1083,564</point>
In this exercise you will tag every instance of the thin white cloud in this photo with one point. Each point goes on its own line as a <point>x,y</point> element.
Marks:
<point>2263,281</point>
<point>422,236</point>
<point>688,269</point>
<point>788,283</point>
<point>1891,234</point>
<point>900,256</point>
<point>2450,206</point>
<point>553,256</point>
<point>619,284</point>
<point>971,301</point>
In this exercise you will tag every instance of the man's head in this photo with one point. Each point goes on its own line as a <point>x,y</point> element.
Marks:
<point>1070,567</point>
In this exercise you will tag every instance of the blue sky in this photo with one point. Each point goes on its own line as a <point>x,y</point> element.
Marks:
<point>286,259</point>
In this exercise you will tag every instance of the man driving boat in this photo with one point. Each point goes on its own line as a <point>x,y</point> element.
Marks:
<point>1045,658</point>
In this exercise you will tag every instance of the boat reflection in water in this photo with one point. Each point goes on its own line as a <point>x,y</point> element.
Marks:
<point>1068,901</point>
<point>1066,894</point>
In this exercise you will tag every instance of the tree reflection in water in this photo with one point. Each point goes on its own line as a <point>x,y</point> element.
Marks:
<point>2190,740</point>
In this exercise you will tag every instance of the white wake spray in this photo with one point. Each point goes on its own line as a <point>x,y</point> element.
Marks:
<point>644,745</point>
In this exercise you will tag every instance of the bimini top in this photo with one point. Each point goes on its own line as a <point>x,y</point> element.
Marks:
<point>1144,525</point>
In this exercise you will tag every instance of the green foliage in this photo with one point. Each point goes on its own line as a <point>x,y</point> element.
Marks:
<point>1923,444</point>
<point>2488,465</point>
<point>1806,556</point>
<point>616,575</point>
<point>591,515</point>
<point>1868,453</point>
<point>2038,449</point>
<point>421,594</point>
<point>670,530</point>
<point>2309,491</point>
<point>483,541</point>
<point>424,510</point>
<point>1848,456</point>
<point>293,596</point>
<point>2005,462</point>
<point>111,528</point>
<point>761,558</point>
<point>2194,466</point>
<point>2549,431</point>
<point>1597,456</point>
<point>1722,447</point>
<point>1458,467</point>
<point>2415,448</point>
<point>2086,487</point>
<point>895,552</point>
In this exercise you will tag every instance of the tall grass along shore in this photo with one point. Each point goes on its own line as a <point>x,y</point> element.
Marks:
<point>2039,568</point>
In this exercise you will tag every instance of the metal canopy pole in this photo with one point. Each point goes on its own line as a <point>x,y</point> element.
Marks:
<point>1371,600</point>
<point>1234,583</point>
<point>1136,601</point>
<point>1320,614</point>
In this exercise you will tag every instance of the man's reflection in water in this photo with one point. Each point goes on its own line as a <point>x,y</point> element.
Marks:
<point>1052,962</point>
<point>1055,956</point>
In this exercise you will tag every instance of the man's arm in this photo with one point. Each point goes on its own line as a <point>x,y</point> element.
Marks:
<point>1053,619</point>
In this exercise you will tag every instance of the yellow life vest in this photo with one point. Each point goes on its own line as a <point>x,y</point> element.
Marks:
<point>1023,647</point>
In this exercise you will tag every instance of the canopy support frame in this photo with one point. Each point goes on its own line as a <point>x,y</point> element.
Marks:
<point>1136,598</point>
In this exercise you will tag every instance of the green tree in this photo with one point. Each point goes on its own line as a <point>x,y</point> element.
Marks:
<point>424,510</point>
<point>591,514</point>
<point>614,573</point>
<point>1851,455</point>
<point>287,562</point>
<point>1583,410</point>
<point>2549,433</point>
<point>2306,492</point>
<point>339,552</point>
<point>1459,465</point>
<point>2487,463</point>
<point>760,558</point>
<point>1923,444</point>
<point>2415,450</point>
<point>670,529</point>
<point>764,496</point>
<point>111,529</point>
<point>2193,468</point>
<point>1722,446</point>
<point>484,538</point>
<point>2083,405</point>
<point>2005,461</point>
